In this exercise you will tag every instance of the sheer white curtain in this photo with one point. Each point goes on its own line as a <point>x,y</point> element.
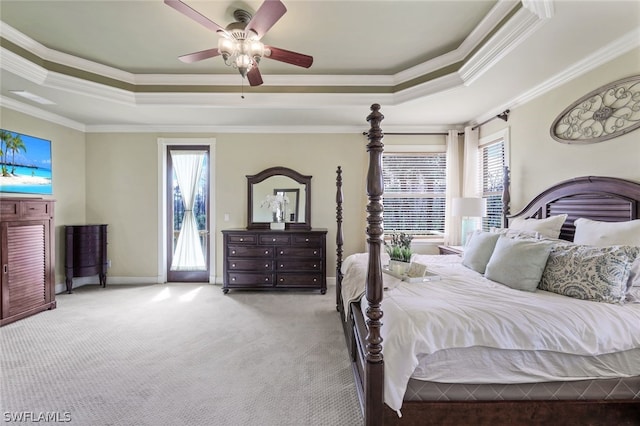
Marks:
<point>452,224</point>
<point>188,254</point>
<point>470,164</point>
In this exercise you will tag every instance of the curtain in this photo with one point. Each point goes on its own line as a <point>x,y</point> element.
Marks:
<point>470,165</point>
<point>188,254</point>
<point>452,224</point>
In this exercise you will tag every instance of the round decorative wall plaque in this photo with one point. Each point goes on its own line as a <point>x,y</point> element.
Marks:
<point>605,113</point>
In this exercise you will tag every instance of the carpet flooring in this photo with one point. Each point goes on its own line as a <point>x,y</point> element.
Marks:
<point>179,354</point>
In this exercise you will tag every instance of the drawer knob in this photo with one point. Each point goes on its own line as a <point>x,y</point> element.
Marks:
<point>281,251</point>
<point>282,266</point>
<point>315,280</point>
<point>315,266</point>
<point>266,280</point>
<point>281,280</point>
<point>241,239</point>
<point>274,240</point>
<point>233,265</point>
<point>306,240</point>
<point>266,266</point>
<point>233,279</point>
<point>315,252</point>
<point>233,252</point>
<point>266,252</point>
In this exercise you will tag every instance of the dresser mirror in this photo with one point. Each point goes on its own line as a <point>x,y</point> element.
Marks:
<point>279,183</point>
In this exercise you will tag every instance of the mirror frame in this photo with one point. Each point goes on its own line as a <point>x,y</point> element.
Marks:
<point>279,171</point>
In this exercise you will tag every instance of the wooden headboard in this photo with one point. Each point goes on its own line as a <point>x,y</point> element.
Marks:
<point>593,197</point>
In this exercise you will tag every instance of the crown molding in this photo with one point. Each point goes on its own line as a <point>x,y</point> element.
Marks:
<point>36,112</point>
<point>522,25</point>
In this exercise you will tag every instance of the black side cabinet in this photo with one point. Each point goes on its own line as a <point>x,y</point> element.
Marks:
<point>85,253</point>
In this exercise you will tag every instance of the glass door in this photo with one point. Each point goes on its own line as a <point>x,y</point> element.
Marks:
<point>188,213</point>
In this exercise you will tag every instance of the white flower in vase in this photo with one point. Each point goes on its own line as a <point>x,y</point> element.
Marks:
<point>277,204</point>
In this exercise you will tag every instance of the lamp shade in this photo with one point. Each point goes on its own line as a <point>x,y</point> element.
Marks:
<point>469,207</point>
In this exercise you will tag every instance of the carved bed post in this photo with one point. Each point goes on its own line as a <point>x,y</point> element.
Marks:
<point>374,368</point>
<point>506,196</point>
<point>339,238</point>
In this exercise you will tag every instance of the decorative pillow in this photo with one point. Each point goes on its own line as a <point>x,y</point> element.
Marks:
<point>478,250</point>
<point>518,263</point>
<point>548,227</point>
<point>593,273</point>
<point>517,233</point>
<point>602,234</point>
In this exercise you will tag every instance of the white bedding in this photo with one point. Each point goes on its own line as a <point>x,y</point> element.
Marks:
<point>486,316</point>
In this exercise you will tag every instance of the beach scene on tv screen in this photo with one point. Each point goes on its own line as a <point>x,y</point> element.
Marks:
<point>25,163</point>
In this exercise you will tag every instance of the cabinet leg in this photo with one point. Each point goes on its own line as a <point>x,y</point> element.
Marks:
<point>225,290</point>
<point>103,280</point>
<point>69,283</point>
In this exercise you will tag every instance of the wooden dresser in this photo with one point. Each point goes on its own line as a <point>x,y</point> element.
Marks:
<point>27,255</point>
<point>262,259</point>
<point>85,253</point>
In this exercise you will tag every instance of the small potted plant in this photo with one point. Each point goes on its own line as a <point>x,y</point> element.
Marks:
<point>399,250</point>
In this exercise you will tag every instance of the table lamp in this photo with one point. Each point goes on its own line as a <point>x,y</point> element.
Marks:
<point>468,208</point>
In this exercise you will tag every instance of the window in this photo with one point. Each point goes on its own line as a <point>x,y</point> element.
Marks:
<point>414,192</point>
<point>492,161</point>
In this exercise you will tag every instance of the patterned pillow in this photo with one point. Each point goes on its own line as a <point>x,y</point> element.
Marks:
<point>589,273</point>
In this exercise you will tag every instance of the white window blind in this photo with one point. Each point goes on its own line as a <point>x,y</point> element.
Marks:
<point>414,192</point>
<point>491,168</point>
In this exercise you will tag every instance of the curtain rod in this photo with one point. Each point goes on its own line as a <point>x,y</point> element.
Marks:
<point>503,116</point>
<point>413,134</point>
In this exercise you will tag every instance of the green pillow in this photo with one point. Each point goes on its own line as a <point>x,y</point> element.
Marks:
<point>518,264</point>
<point>478,250</point>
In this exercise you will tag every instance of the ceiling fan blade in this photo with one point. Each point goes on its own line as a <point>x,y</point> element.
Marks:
<point>254,76</point>
<point>268,14</point>
<point>195,15</point>
<point>289,57</point>
<point>198,56</point>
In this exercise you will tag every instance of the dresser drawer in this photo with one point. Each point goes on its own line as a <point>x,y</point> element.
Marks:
<point>298,265</point>
<point>249,265</point>
<point>245,279</point>
<point>36,210</point>
<point>9,209</point>
<point>313,252</point>
<point>307,240</point>
<point>249,251</point>
<point>242,238</point>
<point>299,280</point>
<point>273,239</point>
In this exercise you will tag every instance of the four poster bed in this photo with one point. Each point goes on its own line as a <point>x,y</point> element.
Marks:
<point>430,361</point>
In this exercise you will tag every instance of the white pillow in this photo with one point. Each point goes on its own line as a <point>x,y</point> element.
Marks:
<point>603,234</point>
<point>548,227</point>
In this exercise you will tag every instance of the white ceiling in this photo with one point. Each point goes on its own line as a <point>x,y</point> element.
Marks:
<point>432,65</point>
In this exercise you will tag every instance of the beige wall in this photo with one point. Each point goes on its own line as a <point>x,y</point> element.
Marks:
<point>113,178</point>
<point>68,172</point>
<point>539,161</point>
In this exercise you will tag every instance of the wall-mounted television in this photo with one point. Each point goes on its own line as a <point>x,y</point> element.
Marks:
<point>25,164</point>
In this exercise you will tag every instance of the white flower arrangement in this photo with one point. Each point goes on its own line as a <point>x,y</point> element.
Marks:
<point>275,202</point>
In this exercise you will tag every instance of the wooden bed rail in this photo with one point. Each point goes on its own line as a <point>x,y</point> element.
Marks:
<point>374,367</point>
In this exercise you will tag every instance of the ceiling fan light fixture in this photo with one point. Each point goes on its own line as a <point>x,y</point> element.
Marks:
<point>241,53</point>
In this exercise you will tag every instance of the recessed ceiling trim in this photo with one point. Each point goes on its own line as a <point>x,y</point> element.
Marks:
<point>523,24</point>
<point>36,112</point>
<point>18,65</point>
<point>493,18</point>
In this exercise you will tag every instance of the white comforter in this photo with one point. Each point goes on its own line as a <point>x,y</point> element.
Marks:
<point>465,310</point>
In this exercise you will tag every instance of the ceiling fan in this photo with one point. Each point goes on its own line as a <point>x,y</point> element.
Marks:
<point>239,44</point>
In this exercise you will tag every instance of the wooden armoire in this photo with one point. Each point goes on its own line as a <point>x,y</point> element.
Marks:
<point>27,257</point>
